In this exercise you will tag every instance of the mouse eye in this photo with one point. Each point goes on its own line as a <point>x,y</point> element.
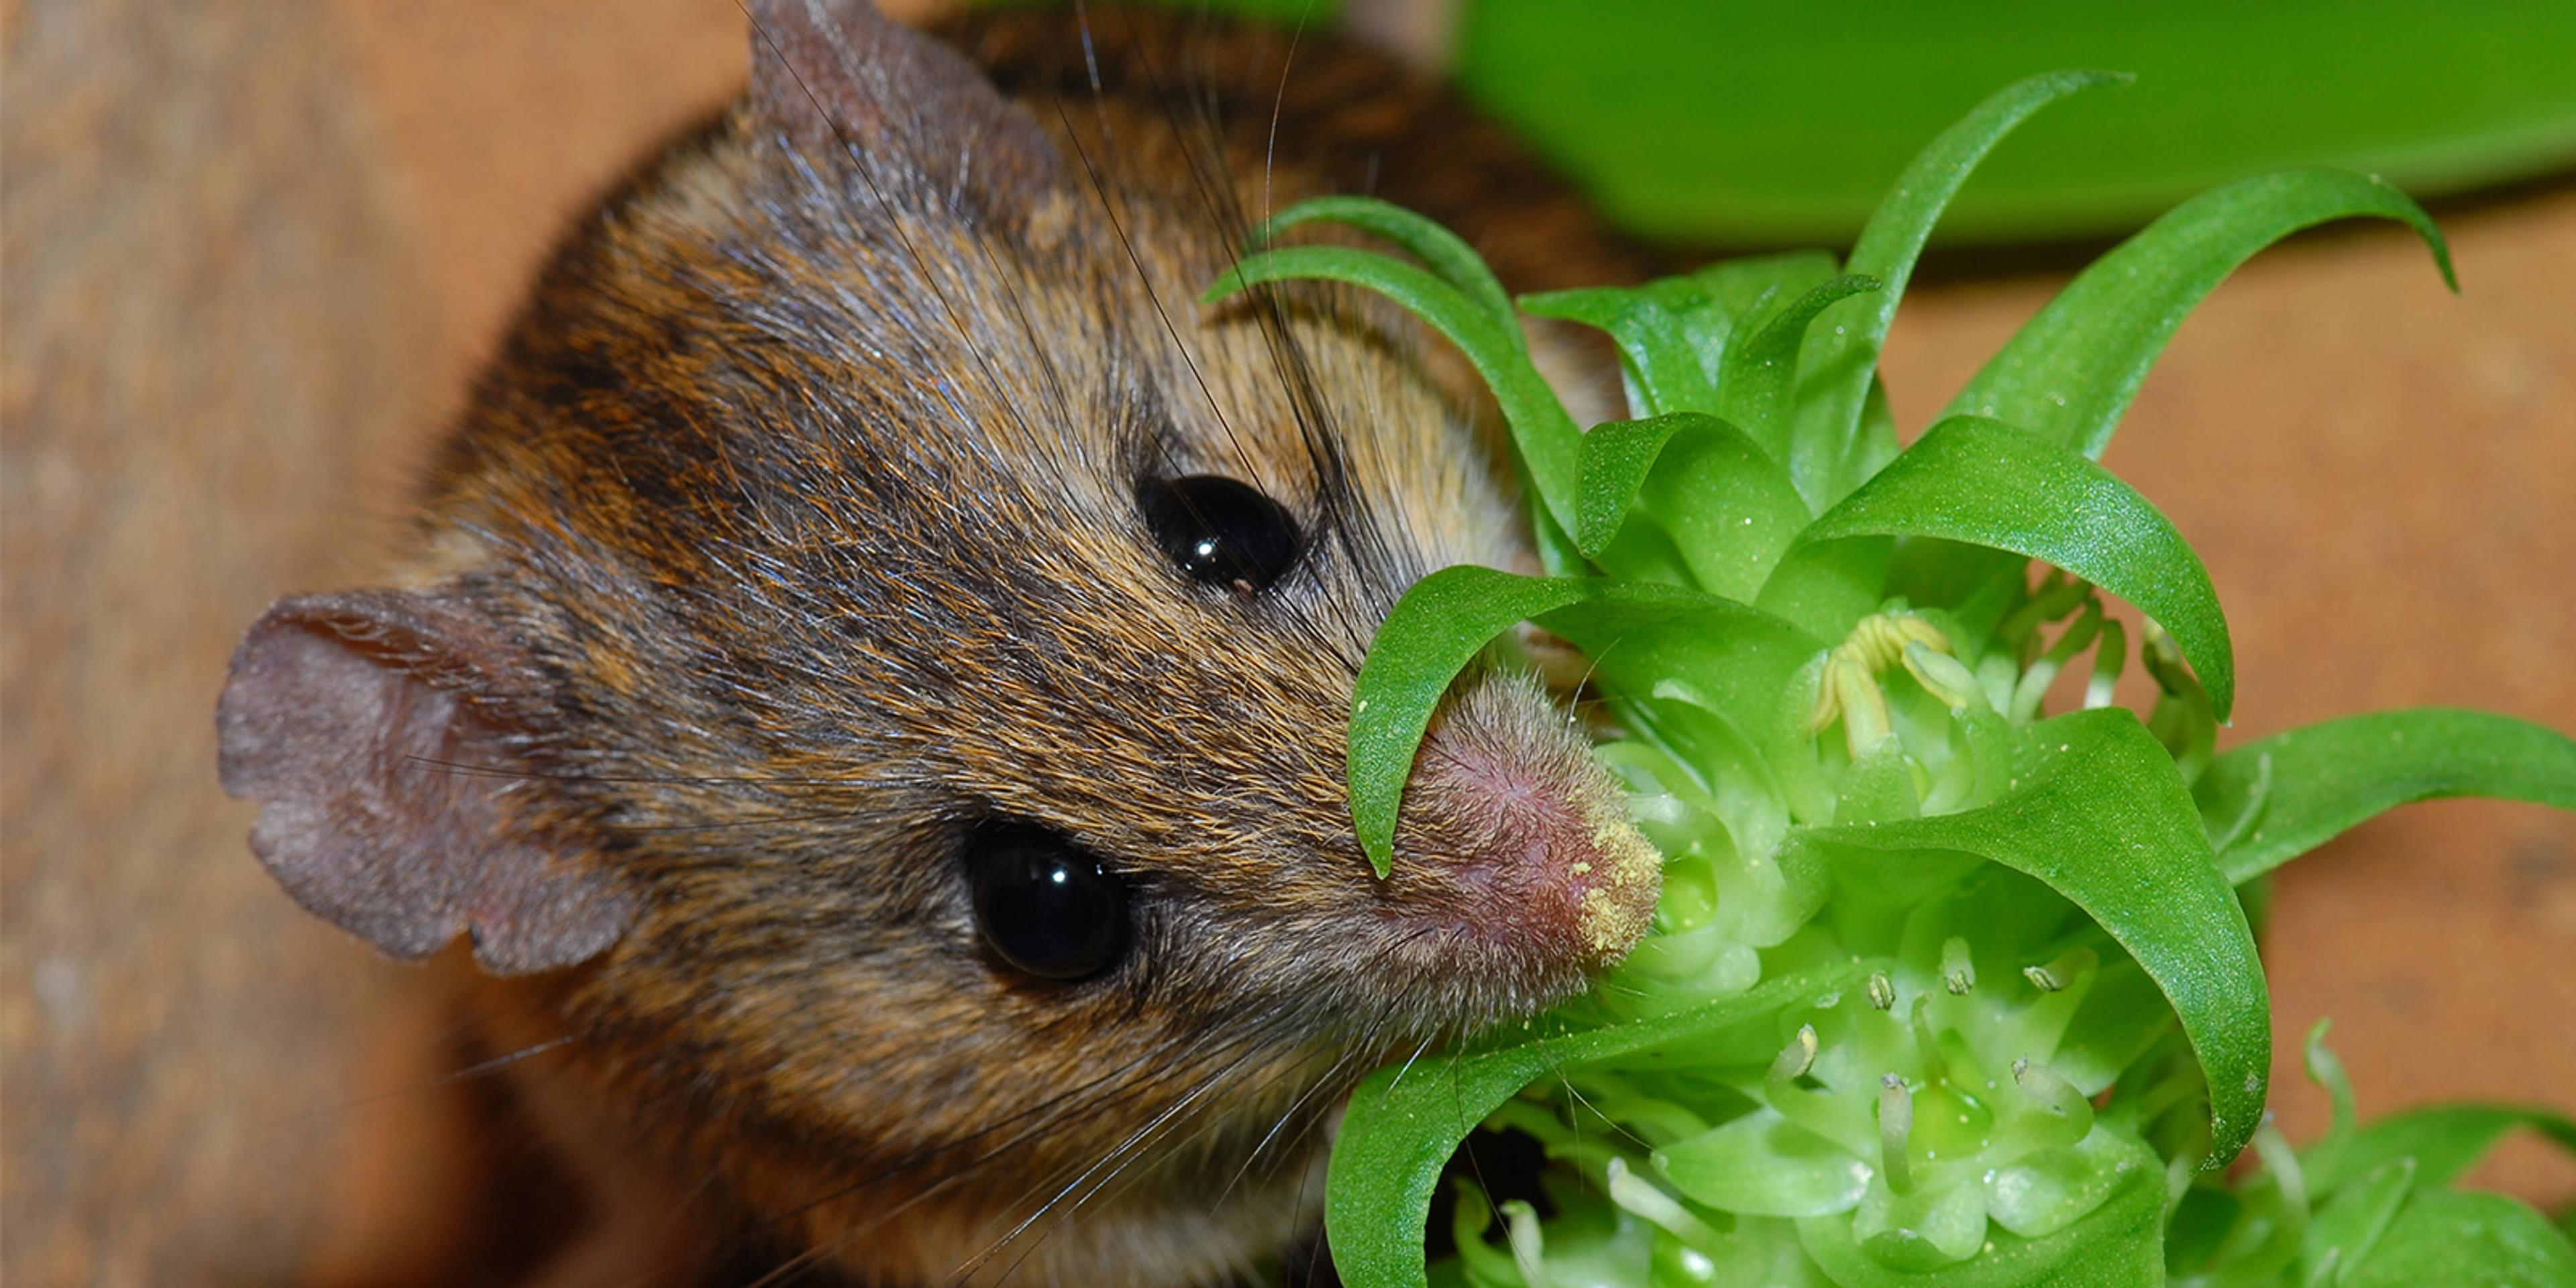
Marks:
<point>1045,906</point>
<point>1219,531</point>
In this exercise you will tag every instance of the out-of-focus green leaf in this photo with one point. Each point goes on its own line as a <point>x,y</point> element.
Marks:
<point>2462,1239</point>
<point>2119,1244</point>
<point>2350,1224</point>
<point>1744,288</point>
<point>1726,121</point>
<point>1842,359</point>
<point>2070,372</point>
<point>2276,798</point>
<point>1404,1122</point>
<point>1540,427</point>
<point>2198,1225</point>
<point>2443,1140</point>
<point>1979,481</point>
<point>2100,816</point>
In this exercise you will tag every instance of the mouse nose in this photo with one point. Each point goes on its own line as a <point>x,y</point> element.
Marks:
<point>1524,836</point>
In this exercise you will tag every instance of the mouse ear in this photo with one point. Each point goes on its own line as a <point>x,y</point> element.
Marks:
<point>378,731</point>
<point>838,74</point>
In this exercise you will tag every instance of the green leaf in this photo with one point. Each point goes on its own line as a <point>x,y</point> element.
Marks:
<point>1616,456</point>
<point>2443,1140</point>
<point>1544,433</point>
<point>1741,288</point>
<point>1728,509</point>
<point>1444,620</point>
<point>2101,818</point>
<point>2070,372</point>
<point>2276,798</point>
<point>1661,353</point>
<point>2458,1239</point>
<point>1844,359</point>
<point>1755,376</point>
<point>1979,481</point>
<point>1404,1122</point>
<point>1445,253</point>
<point>2119,1244</point>
<point>1731,659</point>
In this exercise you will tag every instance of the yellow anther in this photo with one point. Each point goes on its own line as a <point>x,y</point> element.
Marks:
<point>1848,688</point>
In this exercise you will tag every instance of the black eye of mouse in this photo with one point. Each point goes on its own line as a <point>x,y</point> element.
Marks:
<point>1219,531</point>
<point>1046,907</point>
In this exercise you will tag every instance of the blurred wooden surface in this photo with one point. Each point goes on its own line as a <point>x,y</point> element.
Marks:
<point>253,249</point>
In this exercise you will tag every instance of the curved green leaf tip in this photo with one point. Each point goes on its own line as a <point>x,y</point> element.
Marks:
<point>1840,365</point>
<point>1446,254</point>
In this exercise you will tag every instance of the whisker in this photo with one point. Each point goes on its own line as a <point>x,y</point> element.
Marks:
<point>1116,1158</point>
<point>1055,1110</point>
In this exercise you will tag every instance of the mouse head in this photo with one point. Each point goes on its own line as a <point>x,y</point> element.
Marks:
<point>876,665</point>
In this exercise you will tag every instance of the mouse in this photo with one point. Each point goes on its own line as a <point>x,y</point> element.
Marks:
<point>867,674</point>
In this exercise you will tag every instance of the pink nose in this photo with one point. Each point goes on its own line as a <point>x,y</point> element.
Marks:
<point>1509,812</point>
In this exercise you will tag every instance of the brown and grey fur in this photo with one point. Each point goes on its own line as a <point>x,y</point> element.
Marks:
<point>793,534</point>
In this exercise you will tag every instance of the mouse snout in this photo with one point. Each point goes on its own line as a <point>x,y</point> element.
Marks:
<point>1524,840</point>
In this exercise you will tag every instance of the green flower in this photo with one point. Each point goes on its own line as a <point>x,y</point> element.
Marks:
<point>1943,988</point>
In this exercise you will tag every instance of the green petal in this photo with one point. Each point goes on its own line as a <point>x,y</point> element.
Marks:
<point>2276,798</point>
<point>1404,1122</point>
<point>2101,817</point>
<point>2117,1245</point>
<point>1764,1165</point>
<point>2049,1189</point>
<point>1844,358</point>
<point>1927,1229</point>
<point>1986,483</point>
<point>2070,372</point>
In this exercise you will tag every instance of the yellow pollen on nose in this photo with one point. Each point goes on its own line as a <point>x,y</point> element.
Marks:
<point>1615,911</point>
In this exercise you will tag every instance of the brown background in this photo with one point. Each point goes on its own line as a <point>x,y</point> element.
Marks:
<point>252,249</point>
